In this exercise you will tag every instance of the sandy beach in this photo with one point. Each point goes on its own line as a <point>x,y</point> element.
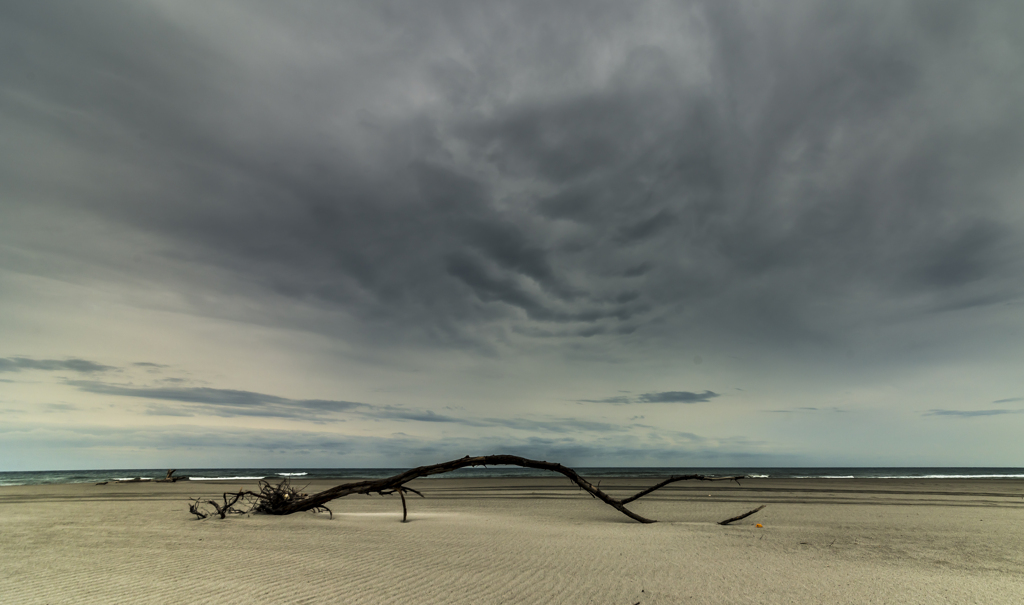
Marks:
<point>523,541</point>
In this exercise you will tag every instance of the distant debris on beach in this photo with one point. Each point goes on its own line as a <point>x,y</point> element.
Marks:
<point>170,478</point>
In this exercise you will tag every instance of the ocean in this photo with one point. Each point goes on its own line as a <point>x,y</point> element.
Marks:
<point>298,475</point>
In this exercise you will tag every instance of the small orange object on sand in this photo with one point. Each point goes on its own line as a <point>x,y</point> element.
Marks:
<point>759,525</point>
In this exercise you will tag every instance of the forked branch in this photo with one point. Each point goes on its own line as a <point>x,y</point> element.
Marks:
<point>222,509</point>
<point>269,499</point>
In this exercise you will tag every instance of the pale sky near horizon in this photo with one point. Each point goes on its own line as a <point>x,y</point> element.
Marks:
<point>353,234</point>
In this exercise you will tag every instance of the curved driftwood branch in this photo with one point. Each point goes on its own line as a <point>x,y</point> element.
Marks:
<point>397,483</point>
<point>673,479</point>
<point>743,516</point>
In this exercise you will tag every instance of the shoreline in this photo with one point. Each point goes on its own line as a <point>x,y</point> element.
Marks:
<point>8,478</point>
<point>988,486</point>
<point>523,540</point>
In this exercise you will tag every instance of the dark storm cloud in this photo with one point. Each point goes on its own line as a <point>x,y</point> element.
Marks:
<point>17,364</point>
<point>467,175</point>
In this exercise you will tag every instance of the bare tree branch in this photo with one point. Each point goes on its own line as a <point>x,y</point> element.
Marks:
<point>743,516</point>
<point>675,478</point>
<point>268,500</point>
<point>222,509</point>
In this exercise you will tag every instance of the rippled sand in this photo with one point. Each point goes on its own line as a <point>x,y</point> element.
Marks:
<point>524,541</point>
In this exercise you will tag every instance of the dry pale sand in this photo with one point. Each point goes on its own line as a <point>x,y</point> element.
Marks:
<point>524,541</point>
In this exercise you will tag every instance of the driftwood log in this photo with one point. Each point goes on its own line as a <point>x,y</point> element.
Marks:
<point>280,501</point>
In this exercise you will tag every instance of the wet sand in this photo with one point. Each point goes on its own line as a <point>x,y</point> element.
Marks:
<point>523,541</point>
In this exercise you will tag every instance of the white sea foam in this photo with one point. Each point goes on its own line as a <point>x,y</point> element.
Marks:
<point>953,477</point>
<point>221,478</point>
<point>292,474</point>
<point>824,477</point>
<point>758,476</point>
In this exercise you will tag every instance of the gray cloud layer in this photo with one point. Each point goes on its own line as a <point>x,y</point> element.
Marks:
<point>469,175</point>
<point>248,448</point>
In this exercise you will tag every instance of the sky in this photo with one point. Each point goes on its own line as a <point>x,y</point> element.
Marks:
<point>383,234</point>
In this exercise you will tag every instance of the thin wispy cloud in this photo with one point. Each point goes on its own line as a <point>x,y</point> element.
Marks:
<point>618,400</point>
<point>226,402</point>
<point>59,407</point>
<point>677,397</point>
<point>662,397</point>
<point>230,402</point>
<point>805,410</point>
<point>1010,400</point>
<point>17,364</point>
<point>971,413</point>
